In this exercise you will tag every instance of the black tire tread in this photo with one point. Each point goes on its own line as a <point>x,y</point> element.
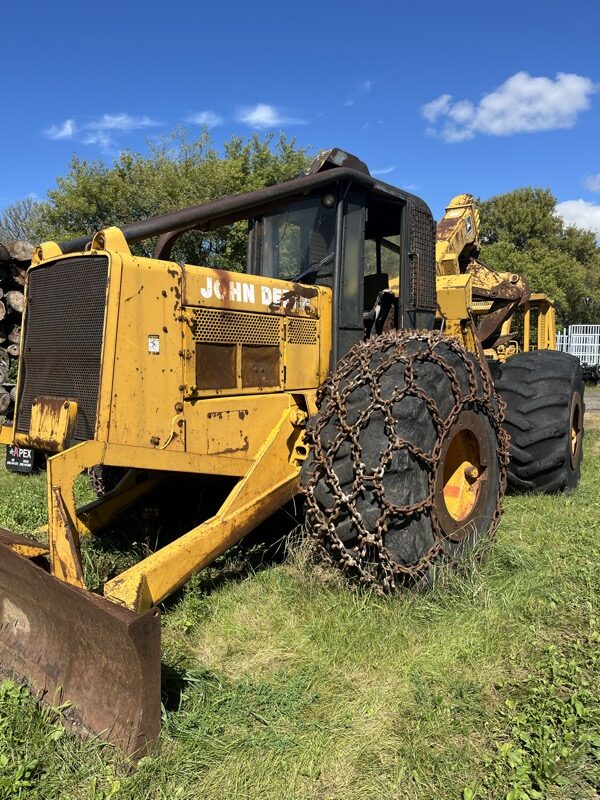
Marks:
<point>538,388</point>
<point>328,482</point>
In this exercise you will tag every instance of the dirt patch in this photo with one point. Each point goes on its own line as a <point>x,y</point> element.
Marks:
<point>592,403</point>
<point>591,422</point>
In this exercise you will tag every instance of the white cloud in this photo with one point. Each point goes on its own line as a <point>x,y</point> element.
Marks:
<point>592,182</point>
<point>580,213</point>
<point>522,104</point>
<point>65,130</point>
<point>208,118</point>
<point>364,87</point>
<point>432,110</point>
<point>100,132</point>
<point>119,122</point>
<point>383,170</point>
<point>101,138</point>
<point>263,116</point>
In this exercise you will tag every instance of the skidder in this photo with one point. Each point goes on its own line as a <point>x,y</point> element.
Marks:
<point>344,346</point>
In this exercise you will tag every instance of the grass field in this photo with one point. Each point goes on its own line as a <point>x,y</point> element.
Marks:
<point>285,683</point>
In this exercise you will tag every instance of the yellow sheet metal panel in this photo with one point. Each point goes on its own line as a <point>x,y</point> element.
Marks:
<point>325,335</point>
<point>268,338</point>
<point>165,349</point>
<point>117,455</point>
<point>109,338</point>
<point>458,228</point>
<point>53,421</point>
<point>234,352</point>
<point>214,288</point>
<point>302,363</point>
<point>147,385</point>
<point>6,434</point>
<point>233,427</point>
<point>248,334</point>
<point>454,296</point>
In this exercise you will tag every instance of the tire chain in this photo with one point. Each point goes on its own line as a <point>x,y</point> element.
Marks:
<point>374,566</point>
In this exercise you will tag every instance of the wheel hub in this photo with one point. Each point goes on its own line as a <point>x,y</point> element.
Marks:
<point>462,475</point>
<point>461,485</point>
<point>576,428</point>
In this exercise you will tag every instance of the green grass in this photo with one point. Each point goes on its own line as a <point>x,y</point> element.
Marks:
<point>288,684</point>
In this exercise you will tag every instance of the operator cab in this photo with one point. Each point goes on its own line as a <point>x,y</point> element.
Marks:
<point>371,243</point>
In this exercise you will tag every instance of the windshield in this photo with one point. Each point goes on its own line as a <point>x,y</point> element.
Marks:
<point>298,238</point>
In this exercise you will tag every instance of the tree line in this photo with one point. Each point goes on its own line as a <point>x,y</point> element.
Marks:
<point>520,230</point>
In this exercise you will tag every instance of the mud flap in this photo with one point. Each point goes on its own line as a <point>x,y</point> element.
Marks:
<point>71,646</point>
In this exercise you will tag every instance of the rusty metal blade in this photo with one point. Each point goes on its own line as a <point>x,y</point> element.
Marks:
<point>72,646</point>
<point>23,545</point>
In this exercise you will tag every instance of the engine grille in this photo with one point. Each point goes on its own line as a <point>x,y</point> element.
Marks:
<point>422,278</point>
<point>302,331</point>
<point>232,327</point>
<point>62,344</point>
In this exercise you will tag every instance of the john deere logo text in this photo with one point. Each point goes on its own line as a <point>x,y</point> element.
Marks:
<point>241,292</point>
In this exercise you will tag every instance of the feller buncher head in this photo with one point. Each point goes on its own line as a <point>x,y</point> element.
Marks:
<point>168,369</point>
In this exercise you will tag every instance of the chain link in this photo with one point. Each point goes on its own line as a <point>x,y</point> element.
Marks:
<point>330,431</point>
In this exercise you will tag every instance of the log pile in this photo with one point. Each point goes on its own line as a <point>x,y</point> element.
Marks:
<point>15,257</point>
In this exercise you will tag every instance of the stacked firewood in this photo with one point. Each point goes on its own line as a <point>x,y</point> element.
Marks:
<point>15,257</point>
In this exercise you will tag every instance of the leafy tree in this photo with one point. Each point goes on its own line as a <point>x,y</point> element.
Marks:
<point>521,232</point>
<point>177,172</point>
<point>19,220</point>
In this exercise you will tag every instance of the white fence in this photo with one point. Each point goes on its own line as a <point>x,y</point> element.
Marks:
<point>582,341</point>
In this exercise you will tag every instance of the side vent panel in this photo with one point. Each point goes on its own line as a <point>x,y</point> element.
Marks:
<point>236,327</point>
<point>422,273</point>
<point>238,351</point>
<point>302,331</point>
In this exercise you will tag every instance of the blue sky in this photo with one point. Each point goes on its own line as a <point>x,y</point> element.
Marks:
<point>437,98</point>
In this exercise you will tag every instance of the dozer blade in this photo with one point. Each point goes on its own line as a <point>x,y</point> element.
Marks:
<point>71,646</point>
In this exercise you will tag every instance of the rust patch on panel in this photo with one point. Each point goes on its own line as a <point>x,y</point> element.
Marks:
<point>224,436</point>
<point>215,366</point>
<point>260,365</point>
<point>297,300</point>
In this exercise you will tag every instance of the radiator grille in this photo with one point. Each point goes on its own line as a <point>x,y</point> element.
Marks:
<point>302,331</point>
<point>422,273</point>
<point>62,344</point>
<point>235,327</point>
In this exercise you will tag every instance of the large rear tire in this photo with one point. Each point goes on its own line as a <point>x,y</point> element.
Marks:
<point>407,461</point>
<point>543,392</point>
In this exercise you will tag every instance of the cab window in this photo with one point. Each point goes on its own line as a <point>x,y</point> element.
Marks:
<point>297,239</point>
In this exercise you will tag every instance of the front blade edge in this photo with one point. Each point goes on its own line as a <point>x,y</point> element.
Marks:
<point>72,646</point>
